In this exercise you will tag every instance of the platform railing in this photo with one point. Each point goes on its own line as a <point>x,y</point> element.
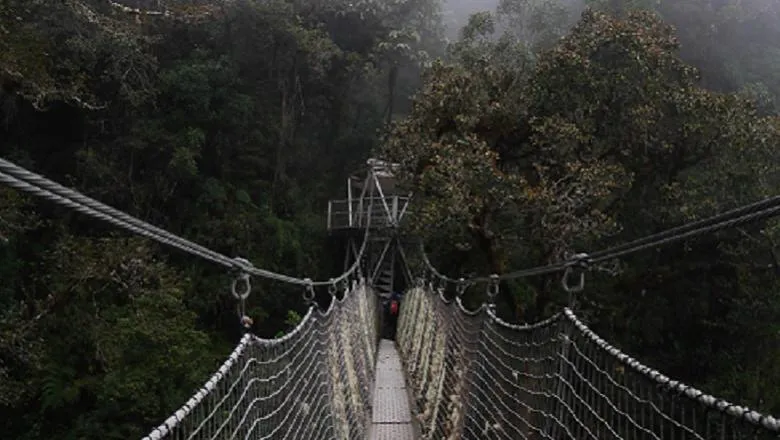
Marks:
<point>382,211</point>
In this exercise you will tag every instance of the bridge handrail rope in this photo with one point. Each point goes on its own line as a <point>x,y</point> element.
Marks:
<point>764,209</point>
<point>328,356</point>
<point>568,330</point>
<point>761,210</point>
<point>27,181</point>
<point>173,421</point>
<point>746,414</point>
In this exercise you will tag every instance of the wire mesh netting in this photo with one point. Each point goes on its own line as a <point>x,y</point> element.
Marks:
<point>477,377</point>
<point>313,383</point>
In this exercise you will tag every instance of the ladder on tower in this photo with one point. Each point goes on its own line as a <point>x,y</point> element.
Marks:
<point>384,273</point>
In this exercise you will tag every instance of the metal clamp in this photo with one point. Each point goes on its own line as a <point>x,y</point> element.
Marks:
<point>308,293</point>
<point>332,289</point>
<point>242,264</point>
<point>581,260</point>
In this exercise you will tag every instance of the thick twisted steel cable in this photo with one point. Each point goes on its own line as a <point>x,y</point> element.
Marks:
<point>37,185</point>
<point>768,203</point>
<point>761,210</point>
<point>763,214</point>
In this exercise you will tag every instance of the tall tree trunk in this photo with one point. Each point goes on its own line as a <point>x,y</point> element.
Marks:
<point>288,86</point>
<point>392,79</point>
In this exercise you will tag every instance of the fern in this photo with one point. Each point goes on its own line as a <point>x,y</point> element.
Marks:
<point>52,392</point>
<point>57,390</point>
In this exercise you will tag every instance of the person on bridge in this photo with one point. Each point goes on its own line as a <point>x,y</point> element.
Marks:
<point>394,308</point>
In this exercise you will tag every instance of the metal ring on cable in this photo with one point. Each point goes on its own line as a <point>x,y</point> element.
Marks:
<point>565,281</point>
<point>460,288</point>
<point>241,294</point>
<point>580,261</point>
<point>332,289</point>
<point>492,288</point>
<point>308,293</point>
<point>345,284</point>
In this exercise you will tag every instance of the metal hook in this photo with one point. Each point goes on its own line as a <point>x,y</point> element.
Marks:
<point>308,294</point>
<point>566,278</point>
<point>241,294</point>
<point>460,288</point>
<point>332,288</point>
<point>442,284</point>
<point>492,288</point>
<point>345,284</point>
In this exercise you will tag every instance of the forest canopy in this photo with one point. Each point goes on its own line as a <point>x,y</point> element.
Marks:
<point>544,129</point>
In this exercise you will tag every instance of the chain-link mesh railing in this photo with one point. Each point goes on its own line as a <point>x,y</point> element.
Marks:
<point>477,377</point>
<point>313,383</point>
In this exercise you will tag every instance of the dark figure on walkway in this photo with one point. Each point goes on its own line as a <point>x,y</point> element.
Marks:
<point>392,309</point>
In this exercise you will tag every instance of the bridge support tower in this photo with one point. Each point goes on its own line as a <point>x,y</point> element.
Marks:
<point>373,202</point>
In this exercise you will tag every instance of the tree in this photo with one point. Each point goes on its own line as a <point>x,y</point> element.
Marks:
<point>731,42</point>
<point>209,120</point>
<point>544,159</point>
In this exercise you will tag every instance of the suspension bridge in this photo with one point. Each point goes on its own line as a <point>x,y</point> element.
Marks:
<point>451,372</point>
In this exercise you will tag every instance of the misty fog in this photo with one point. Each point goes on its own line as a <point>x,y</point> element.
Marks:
<point>736,45</point>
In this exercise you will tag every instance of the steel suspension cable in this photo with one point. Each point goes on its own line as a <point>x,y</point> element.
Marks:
<point>37,185</point>
<point>761,210</point>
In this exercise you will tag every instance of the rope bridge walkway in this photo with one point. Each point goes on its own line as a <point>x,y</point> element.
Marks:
<point>453,373</point>
<point>475,376</point>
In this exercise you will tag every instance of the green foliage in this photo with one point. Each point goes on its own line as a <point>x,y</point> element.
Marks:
<point>292,321</point>
<point>608,135</point>
<point>229,124</point>
<point>233,124</point>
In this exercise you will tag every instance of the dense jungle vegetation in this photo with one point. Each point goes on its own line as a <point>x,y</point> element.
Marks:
<point>547,127</point>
